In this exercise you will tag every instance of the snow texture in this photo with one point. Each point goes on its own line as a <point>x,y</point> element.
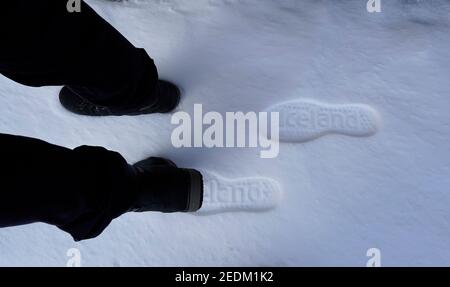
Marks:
<point>325,201</point>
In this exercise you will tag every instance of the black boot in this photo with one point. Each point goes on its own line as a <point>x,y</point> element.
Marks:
<point>162,186</point>
<point>75,100</point>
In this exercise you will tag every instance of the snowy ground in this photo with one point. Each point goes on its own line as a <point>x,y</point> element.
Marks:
<point>341,195</point>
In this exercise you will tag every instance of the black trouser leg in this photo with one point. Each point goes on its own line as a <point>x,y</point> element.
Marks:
<point>42,44</point>
<point>80,191</point>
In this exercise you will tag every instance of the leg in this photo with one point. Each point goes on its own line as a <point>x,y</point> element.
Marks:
<point>43,44</point>
<point>82,190</point>
<point>78,190</point>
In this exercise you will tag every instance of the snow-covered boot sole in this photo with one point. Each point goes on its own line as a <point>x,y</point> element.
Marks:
<point>247,194</point>
<point>305,120</point>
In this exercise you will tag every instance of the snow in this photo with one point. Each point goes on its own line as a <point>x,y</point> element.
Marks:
<point>341,195</point>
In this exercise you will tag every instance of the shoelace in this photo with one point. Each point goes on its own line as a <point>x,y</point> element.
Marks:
<point>92,108</point>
